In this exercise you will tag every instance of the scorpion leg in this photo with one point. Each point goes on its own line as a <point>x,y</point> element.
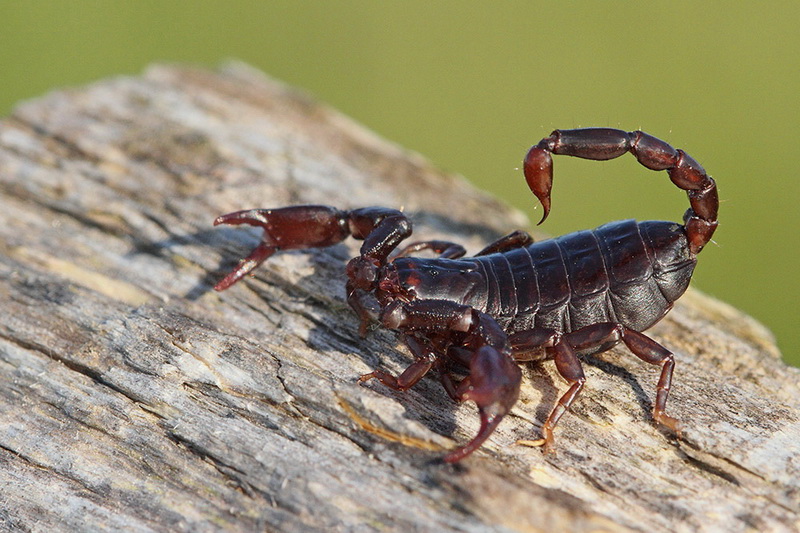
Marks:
<point>655,154</point>
<point>605,335</point>
<point>494,378</point>
<point>569,366</point>
<point>365,305</point>
<point>530,345</point>
<point>601,337</point>
<point>445,249</point>
<point>410,376</point>
<point>515,239</point>
<point>443,358</point>
<point>652,352</point>
<point>451,250</point>
<point>449,386</point>
<point>315,226</point>
<point>425,357</point>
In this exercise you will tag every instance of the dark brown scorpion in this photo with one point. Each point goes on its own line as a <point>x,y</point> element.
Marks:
<point>516,300</point>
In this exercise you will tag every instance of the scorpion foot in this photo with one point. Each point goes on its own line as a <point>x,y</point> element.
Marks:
<point>672,424</point>
<point>546,442</point>
<point>410,376</point>
<point>366,377</point>
<point>387,379</point>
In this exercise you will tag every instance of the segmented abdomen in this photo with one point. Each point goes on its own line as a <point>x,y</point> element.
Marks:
<point>624,272</point>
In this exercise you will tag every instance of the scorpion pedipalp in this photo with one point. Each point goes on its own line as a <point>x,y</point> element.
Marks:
<point>493,384</point>
<point>287,228</point>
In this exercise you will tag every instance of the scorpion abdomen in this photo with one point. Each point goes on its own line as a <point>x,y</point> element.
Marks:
<point>626,272</point>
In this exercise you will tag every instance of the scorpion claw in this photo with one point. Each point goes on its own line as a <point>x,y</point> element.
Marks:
<point>287,228</point>
<point>261,253</point>
<point>493,384</point>
<point>488,425</point>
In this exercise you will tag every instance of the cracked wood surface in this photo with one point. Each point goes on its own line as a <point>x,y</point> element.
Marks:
<point>133,397</point>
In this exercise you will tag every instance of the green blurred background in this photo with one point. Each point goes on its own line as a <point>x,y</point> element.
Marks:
<point>471,86</point>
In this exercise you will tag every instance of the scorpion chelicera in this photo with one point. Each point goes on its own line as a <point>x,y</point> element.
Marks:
<point>516,300</point>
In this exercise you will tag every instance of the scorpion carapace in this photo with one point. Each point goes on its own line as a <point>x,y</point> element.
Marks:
<point>516,300</point>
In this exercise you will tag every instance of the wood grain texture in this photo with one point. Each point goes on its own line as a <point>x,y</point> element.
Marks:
<point>133,397</point>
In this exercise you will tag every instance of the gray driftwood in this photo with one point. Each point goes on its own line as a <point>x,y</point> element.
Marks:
<point>133,397</point>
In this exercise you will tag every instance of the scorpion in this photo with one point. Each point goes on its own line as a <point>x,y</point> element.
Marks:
<point>473,320</point>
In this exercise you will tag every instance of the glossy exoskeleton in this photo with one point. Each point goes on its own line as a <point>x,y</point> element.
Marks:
<point>516,300</point>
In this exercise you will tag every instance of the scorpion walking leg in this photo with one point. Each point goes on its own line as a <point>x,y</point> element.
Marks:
<point>531,344</point>
<point>410,376</point>
<point>515,239</point>
<point>604,336</point>
<point>537,344</point>
<point>569,366</point>
<point>451,250</point>
<point>652,352</point>
<point>445,249</point>
<point>425,357</point>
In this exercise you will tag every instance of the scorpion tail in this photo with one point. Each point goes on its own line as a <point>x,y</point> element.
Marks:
<point>600,144</point>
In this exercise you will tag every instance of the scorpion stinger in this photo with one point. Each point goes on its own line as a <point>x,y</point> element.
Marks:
<point>516,300</point>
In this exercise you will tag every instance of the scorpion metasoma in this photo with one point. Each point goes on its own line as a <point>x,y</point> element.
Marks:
<point>516,300</point>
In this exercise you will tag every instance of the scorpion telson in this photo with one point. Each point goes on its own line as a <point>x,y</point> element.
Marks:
<point>516,300</point>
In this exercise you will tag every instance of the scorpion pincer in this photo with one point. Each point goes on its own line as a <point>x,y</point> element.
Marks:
<point>516,300</point>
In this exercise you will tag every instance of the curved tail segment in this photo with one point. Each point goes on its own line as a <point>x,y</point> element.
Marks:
<point>601,144</point>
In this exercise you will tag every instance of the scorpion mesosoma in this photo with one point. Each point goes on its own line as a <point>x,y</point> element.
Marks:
<point>516,300</point>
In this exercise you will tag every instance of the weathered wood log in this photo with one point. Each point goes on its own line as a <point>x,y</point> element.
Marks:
<point>133,397</point>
